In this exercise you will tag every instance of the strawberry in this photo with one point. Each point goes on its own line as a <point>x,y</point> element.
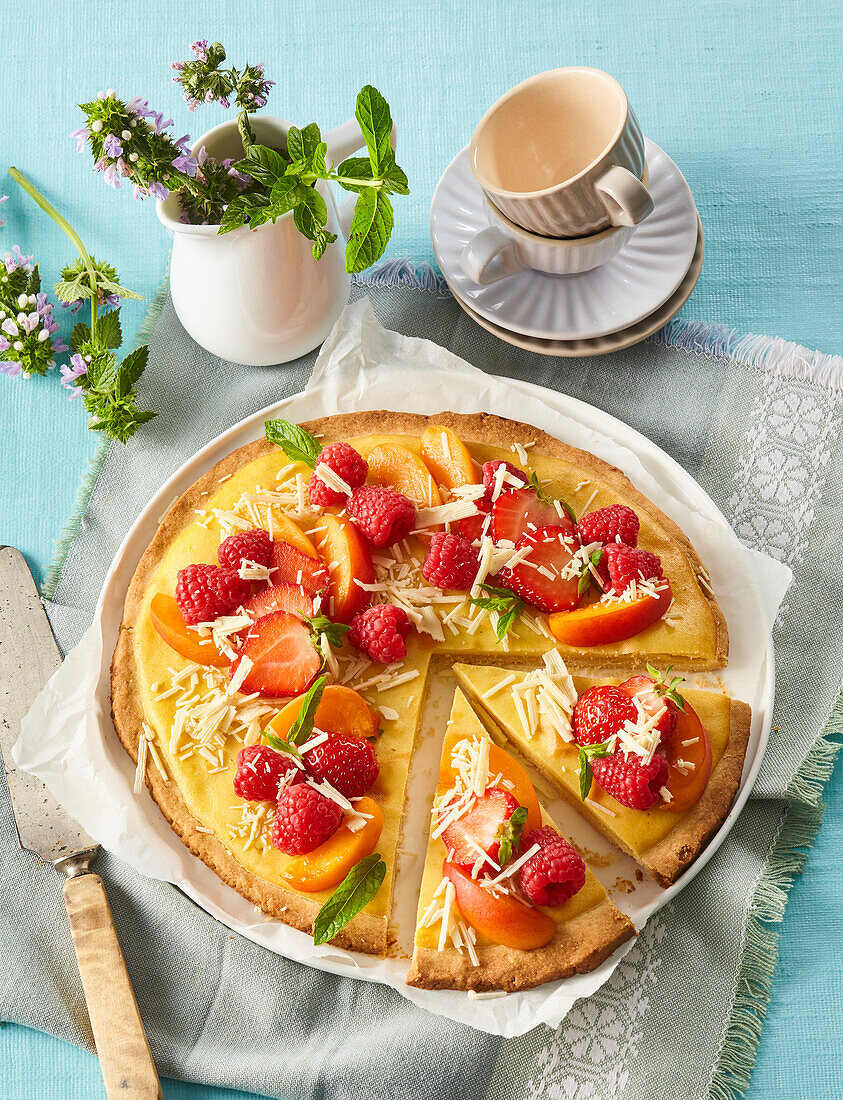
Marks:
<point>518,512</point>
<point>600,712</point>
<point>655,694</point>
<point>280,597</point>
<point>475,527</point>
<point>512,473</point>
<point>292,566</point>
<point>484,824</point>
<point>284,659</point>
<point>540,579</point>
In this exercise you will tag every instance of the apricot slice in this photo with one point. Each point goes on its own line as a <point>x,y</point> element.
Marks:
<point>447,457</point>
<point>604,623</point>
<point>349,559</point>
<point>327,865</point>
<point>286,530</point>
<point>168,621</point>
<point>500,761</point>
<point>340,710</point>
<point>686,787</point>
<point>402,469</point>
<point>504,919</point>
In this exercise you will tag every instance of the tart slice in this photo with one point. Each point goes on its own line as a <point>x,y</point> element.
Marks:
<point>682,759</point>
<point>506,902</point>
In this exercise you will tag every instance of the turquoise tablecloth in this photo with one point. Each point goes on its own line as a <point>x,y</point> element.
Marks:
<point>745,98</point>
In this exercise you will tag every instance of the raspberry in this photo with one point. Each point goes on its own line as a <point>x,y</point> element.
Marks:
<point>600,712</point>
<point>254,545</point>
<point>381,514</point>
<point>260,770</point>
<point>629,780</point>
<point>451,562</point>
<point>489,476</point>
<point>379,632</point>
<point>626,564</point>
<point>606,524</point>
<point>555,873</point>
<point>304,820</point>
<point>349,764</point>
<point>204,592</point>
<point>347,464</point>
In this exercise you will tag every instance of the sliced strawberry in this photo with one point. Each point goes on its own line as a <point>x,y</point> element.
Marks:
<point>280,597</point>
<point>647,691</point>
<point>519,512</point>
<point>538,578</point>
<point>474,527</point>
<point>284,660</point>
<point>291,566</point>
<point>481,828</point>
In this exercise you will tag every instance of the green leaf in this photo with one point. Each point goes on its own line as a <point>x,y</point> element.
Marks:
<point>281,746</point>
<point>351,896</point>
<point>109,334</point>
<point>546,498</point>
<point>131,370</point>
<point>355,168</point>
<point>302,144</point>
<point>372,112</point>
<point>587,754</point>
<point>507,606</point>
<point>509,835</point>
<point>263,164</point>
<point>302,729</point>
<point>80,335</point>
<point>285,194</point>
<point>111,286</point>
<point>296,443</point>
<point>334,632</point>
<point>668,689</point>
<point>235,215</point>
<point>371,227</point>
<point>303,216</point>
<point>586,574</point>
<point>395,179</point>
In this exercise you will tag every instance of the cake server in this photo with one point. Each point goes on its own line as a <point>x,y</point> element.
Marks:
<point>28,658</point>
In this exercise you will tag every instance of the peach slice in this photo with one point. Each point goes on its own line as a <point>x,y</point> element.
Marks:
<point>687,789</point>
<point>400,468</point>
<point>504,919</point>
<point>340,710</point>
<point>286,530</point>
<point>168,621</point>
<point>604,623</point>
<point>500,761</point>
<point>447,457</point>
<point>344,548</point>
<point>327,865</point>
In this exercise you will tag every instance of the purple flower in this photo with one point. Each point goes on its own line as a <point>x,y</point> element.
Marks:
<point>224,103</point>
<point>158,190</point>
<point>140,107</point>
<point>81,137</point>
<point>5,344</point>
<point>123,168</point>
<point>9,327</point>
<point>31,322</point>
<point>69,374</point>
<point>178,66</point>
<point>186,163</point>
<point>11,368</point>
<point>112,145</point>
<point>59,346</point>
<point>3,198</point>
<point>139,193</point>
<point>112,299</point>
<point>112,176</point>
<point>200,48</point>
<point>158,121</point>
<point>183,143</point>
<point>201,155</point>
<point>101,165</point>
<point>16,259</point>
<point>73,306</point>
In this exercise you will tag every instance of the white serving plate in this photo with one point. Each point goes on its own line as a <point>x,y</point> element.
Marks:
<point>138,832</point>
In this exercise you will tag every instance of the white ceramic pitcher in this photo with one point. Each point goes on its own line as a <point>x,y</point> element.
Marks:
<point>258,296</point>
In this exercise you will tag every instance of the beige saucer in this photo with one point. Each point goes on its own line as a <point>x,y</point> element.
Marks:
<point>613,341</point>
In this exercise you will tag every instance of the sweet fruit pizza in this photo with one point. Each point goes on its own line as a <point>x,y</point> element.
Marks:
<point>276,646</point>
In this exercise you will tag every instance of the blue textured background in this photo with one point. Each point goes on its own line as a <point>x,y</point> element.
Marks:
<point>744,97</point>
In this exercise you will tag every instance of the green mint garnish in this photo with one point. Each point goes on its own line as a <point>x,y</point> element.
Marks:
<point>507,606</point>
<point>302,729</point>
<point>334,632</point>
<point>587,754</point>
<point>668,689</point>
<point>585,575</point>
<point>546,498</point>
<point>509,835</point>
<point>351,896</point>
<point>296,443</point>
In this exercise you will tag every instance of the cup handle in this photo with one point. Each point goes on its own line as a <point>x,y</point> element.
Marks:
<point>342,141</point>
<point>485,246</point>
<point>625,197</point>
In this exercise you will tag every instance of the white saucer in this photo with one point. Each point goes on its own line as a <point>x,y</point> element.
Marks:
<point>613,341</point>
<point>630,287</point>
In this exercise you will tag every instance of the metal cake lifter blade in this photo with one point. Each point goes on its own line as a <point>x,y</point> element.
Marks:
<point>28,658</point>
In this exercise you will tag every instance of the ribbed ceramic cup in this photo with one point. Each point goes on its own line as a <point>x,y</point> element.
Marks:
<point>562,155</point>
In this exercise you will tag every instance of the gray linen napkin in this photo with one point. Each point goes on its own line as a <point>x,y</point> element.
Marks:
<point>757,424</point>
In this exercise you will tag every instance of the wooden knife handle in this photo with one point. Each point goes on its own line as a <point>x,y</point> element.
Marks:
<point>122,1046</point>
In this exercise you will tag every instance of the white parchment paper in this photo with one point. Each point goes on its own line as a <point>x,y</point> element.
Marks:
<point>68,741</point>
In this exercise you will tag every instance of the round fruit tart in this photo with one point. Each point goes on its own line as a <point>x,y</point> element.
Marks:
<point>275,649</point>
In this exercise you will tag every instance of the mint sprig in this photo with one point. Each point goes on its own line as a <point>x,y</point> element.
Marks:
<point>351,896</point>
<point>509,835</point>
<point>545,497</point>
<point>507,606</point>
<point>668,689</point>
<point>296,443</point>
<point>279,745</point>
<point>586,575</point>
<point>334,632</point>
<point>587,754</point>
<point>302,729</point>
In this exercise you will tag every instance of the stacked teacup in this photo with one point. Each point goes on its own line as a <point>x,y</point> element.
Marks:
<point>564,184</point>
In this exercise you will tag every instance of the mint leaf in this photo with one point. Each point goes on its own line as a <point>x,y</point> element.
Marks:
<point>109,334</point>
<point>509,835</point>
<point>334,632</point>
<point>355,168</point>
<point>546,498</point>
<point>371,227</point>
<point>507,606</point>
<point>281,746</point>
<point>395,179</point>
<point>310,216</point>
<point>130,371</point>
<point>80,335</point>
<point>586,575</point>
<point>351,896</point>
<point>303,143</point>
<point>587,754</point>
<point>302,729</point>
<point>296,443</point>
<point>263,164</point>
<point>372,112</point>
<point>665,689</point>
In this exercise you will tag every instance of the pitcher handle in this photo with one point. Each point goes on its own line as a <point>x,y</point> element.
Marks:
<point>342,141</point>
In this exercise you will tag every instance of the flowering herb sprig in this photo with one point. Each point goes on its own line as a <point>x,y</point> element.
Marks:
<point>130,141</point>
<point>93,373</point>
<point>27,327</point>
